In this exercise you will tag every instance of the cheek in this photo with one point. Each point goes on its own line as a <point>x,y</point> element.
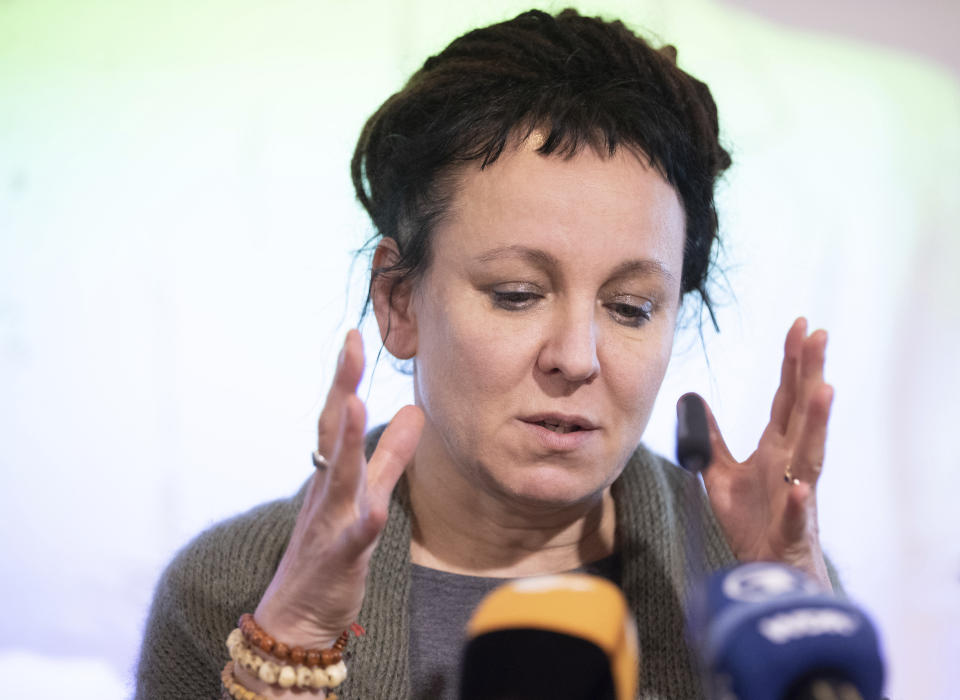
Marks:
<point>635,376</point>
<point>467,356</point>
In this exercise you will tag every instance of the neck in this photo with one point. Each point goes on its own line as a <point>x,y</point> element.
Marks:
<point>463,529</point>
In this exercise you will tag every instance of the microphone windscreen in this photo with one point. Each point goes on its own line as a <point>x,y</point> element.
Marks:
<point>766,630</point>
<point>566,637</point>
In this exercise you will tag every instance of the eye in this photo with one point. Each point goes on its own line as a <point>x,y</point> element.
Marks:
<point>515,299</point>
<point>631,312</point>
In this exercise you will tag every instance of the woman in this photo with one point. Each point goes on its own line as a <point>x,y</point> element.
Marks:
<point>543,191</point>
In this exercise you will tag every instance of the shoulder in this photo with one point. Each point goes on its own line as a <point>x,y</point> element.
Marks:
<point>211,581</point>
<point>252,538</point>
<point>226,568</point>
<point>234,560</point>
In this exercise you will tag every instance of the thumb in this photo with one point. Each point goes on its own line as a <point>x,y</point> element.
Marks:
<point>394,451</point>
<point>718,447</point>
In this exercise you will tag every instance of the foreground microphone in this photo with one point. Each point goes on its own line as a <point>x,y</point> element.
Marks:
<point>768,632</point>
<point>563,637</point>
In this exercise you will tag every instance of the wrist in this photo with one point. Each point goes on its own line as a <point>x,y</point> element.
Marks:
<point>294,629</point>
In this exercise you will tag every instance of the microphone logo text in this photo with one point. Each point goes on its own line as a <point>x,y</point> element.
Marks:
<point>807,622</point>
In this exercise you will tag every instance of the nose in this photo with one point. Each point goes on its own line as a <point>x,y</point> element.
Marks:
<point>569,348</point>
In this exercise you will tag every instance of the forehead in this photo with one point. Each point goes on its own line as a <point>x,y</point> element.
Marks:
<point>601,209</point>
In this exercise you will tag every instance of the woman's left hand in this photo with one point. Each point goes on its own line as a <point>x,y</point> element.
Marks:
<point>767,505</point>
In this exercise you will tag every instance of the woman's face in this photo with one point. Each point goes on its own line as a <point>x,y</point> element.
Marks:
<point>544,324</point>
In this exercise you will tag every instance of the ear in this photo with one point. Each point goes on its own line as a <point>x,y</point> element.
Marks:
<point>392,303</point>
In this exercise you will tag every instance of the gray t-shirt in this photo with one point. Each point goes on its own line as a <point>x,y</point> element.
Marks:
<point>441,604</point>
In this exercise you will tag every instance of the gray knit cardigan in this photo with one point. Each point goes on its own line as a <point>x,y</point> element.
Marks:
<point>225,571</point>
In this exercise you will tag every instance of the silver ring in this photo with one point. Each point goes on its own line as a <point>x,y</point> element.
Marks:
<point>319,461</point>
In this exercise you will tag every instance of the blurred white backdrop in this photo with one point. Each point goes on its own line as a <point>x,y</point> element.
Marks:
<point>177,231</point>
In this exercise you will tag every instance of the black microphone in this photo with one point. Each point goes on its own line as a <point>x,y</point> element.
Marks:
<point>693,436</point>
<point>693,454</point>
<point>563,637</point>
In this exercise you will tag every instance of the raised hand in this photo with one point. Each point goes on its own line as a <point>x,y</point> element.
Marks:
<point>767,504</point>
<point>318,588</point>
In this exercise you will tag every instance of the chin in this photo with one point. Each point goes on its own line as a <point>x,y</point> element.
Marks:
<point>549,488</point>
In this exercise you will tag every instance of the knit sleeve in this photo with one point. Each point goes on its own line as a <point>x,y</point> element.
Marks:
<point>204,590</point>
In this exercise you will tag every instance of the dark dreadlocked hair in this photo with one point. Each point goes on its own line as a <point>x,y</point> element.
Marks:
<point>584,81</point>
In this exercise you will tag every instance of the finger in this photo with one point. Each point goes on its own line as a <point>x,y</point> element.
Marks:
<point>811,378</point>
<point>394,452</point>
<point>809,453</point>
<point>718,446</point>
<point>348,464</point>
<point>785,396</point>
<point>814,352</point>
<point>345,380</point>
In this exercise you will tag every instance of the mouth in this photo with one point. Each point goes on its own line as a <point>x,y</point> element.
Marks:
<point>558,427</point>
<point>561,424</point>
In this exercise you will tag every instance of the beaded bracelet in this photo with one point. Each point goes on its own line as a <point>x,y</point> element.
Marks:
<point>237,691</point>
<point>311,658</point>
<point>283,675</point>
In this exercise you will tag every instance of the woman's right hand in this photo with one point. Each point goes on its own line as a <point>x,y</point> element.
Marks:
<point>318,589</point>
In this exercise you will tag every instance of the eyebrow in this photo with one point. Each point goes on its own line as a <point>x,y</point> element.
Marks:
<point>538,257</point>
<point>545,260</point>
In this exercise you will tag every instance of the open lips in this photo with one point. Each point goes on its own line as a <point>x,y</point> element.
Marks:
<point>559,427</point>
<point>564,424</point>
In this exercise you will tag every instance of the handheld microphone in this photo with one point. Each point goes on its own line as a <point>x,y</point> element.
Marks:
<point>694,455</point>
<point>693,436</point>
<point>769,632</point>
<point>564,637</point>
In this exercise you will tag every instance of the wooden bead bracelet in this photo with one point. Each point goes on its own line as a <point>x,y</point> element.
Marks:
<point>283,675</point>
<point>237,691</point>
<point>311,658</point>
